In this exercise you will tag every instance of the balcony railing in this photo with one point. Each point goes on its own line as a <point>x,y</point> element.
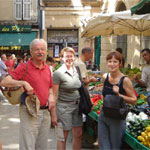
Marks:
<point>55,1</point>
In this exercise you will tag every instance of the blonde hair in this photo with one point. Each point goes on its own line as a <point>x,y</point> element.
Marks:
<point>38,41</point>
<point>67,49</point>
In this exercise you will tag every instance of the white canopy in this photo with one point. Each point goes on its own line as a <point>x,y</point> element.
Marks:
<point>118,23</point>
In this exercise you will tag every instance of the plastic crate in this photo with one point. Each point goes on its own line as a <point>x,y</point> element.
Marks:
<point>90,131</point>
<point>134,143</point>
<point>93,115</point>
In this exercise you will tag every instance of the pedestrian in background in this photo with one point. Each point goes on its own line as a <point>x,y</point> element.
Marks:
<point>3,73</point>
<point>145,78</point>
<point>9,63</point>
<point>111,130</point>
<point>19,61</point>
<point>123,60</point>
<point>86,55</point>
<point>3,67</point>
<point>50,62</point>
<point>34,130</point>
<point>0,145</point>
<point>66,84</point>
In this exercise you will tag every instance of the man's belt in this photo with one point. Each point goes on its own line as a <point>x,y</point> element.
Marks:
<point>43,107</point>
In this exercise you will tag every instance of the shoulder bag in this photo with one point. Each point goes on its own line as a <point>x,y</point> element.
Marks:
<point>114,106</point>
<point>85,103</point>
<point>13,94</point>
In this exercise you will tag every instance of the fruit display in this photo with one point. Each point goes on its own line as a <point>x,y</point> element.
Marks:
<point>132,73</point>
<point>144,137</point>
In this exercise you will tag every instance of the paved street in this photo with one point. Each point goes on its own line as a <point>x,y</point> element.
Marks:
<point>9,129</point>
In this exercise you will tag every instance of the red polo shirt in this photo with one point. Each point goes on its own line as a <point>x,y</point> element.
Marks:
<point>39,79</point>
<point>10,64</point>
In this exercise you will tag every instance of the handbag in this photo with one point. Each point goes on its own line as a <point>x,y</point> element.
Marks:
<point>85,104</point>
<point>13,94</point>
<point>114,106</point>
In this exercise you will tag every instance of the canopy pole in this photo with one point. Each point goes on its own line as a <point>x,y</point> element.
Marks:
<point>140,64</point>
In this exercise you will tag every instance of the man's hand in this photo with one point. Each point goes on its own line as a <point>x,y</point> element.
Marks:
<point>51,104</point>
<point>93,79</point>
<point>54,116</point>
<point>28,87</point>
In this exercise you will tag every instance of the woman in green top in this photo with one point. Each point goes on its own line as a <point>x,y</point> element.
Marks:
<point>66,84</point>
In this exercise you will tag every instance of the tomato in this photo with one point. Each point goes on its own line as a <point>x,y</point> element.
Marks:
<point>98,112</point>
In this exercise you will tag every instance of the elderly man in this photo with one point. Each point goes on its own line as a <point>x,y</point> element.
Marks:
<point>145,79</point>
<point>34,130</point>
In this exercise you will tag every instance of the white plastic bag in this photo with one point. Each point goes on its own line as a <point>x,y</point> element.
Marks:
<point>59,132</point>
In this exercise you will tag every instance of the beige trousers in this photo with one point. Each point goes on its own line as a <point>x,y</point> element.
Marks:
<point>34,130</point>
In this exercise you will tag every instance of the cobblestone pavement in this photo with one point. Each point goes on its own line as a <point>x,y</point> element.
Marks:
<point>9,129</point>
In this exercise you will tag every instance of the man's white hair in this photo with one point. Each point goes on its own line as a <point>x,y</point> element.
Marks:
<point>38,41</point>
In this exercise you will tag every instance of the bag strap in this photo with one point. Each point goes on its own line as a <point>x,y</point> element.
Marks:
<point>25,72</point>
<point>121,80</point>
<point>79,73</point>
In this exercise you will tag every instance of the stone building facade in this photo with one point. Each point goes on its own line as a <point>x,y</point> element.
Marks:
<point>129,43</point>
<point>19,25</point>
<point>64,22</point>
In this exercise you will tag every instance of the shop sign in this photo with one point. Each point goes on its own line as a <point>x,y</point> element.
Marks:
<point>14,47</point>
<point>62,36</point>
<point>15,28</point>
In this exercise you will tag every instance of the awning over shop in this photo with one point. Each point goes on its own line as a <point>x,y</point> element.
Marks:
<point>142,7</point>
<point>16,41</point>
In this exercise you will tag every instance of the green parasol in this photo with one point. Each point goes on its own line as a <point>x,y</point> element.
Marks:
<point>142,7</point>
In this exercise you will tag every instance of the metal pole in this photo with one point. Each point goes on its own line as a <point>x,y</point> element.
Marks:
<point>40,19</point>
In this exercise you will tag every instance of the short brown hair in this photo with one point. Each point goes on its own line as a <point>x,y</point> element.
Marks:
<point>86,50</point>
<point>116,54</point>
<point>145,49</point>
<point>67,49</point>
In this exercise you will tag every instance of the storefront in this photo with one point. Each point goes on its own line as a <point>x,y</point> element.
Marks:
<point>58,39</point>
<point>16,39</point>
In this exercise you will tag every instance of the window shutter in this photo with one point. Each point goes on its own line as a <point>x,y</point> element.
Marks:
<point>18,9</point>
<point>26,9</point>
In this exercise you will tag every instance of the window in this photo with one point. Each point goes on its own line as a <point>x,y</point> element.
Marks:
<point>18,9</point>
<point>145,42</point>
<point>122,43</point>
<point>27,10</point>
<point>23,9</point>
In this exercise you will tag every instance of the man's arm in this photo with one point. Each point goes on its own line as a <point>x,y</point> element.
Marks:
<point>8,81</point>
<point>87,81</point>
<point>143,79</point>
<point>141,82</point>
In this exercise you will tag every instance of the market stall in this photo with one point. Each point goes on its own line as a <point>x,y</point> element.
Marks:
<point>137,134</point>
